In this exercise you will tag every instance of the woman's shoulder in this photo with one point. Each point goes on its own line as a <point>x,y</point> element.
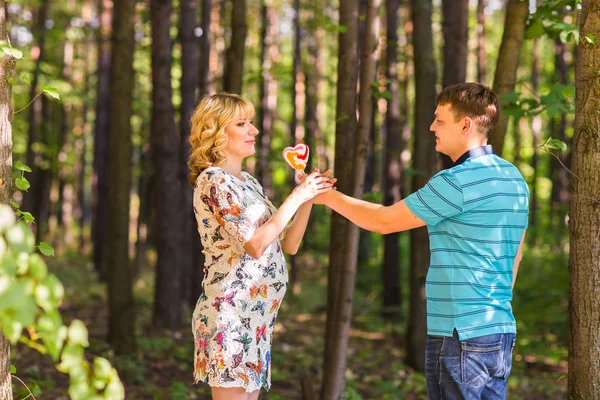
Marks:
<point>210,175</point>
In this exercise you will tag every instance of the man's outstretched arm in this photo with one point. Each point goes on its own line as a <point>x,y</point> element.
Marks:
<point>371,216</point>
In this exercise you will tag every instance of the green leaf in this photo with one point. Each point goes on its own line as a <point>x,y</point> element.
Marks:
<point>13,369</point>
<point>15,205</point>
<point>508,98</point>
<point>102,368</point>
<point>46,249</point>
<point>22,183</point>
<point>11,51</point>
<point>7,217</point>
<point>51,91</point>
<point>536,29</point>
<point>590,38</point>
<point>37,267</point>
<point>78,334</point>
<point>20,238</point>
<point>22,167</point>
<point>26,216</point>
<point>556,144</point>
<point>10,80</point>
<point>25,79</point>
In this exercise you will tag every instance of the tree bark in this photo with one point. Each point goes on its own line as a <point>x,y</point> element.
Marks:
<point>342,231</point>
<point>536,130</point>
<point>29,199</point>
<point>189,82</point>
<point>481,53</point>
<point>584,259</point>
<point>268,95</point>
<point>508,61</point>
<point>116,256</point>
<point>101,139</point>
<point>7,70</point>
<point>334,375</point>
<point>294,131</point>
<point>391,177</point>
<point>204,62</point>
<point>456,37</point>
<point>165,150</point>
<point>424,162</point>
<point>560,178</point>
<point>234,67</point>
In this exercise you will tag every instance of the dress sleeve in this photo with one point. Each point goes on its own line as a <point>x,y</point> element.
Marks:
<point>230,209</point>
<point>441,198</point>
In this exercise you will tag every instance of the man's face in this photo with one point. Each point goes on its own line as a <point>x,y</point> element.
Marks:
<point>448,131</point>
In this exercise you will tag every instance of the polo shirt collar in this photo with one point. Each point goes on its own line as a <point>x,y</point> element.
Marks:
<point>474,152</point>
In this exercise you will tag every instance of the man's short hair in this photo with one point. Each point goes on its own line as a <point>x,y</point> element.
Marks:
<point>472,100</point>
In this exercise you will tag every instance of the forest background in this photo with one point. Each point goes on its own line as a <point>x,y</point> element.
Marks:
<point>102,92</point>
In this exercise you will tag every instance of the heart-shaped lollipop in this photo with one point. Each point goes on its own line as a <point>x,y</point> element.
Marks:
<point>297,156</point>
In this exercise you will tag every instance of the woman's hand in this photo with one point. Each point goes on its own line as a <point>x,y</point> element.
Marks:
<point>313,185</point>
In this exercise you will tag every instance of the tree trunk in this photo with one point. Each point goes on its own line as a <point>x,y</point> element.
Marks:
<point>456,37</point>
<point>508,61</point>
<point>536,130</point>
<point>294,280</point>
<point>268,95</point>
<point>342,231</point>
<point>560,177</point>
<point>7,70</point>
<point>101,140</point>
<point>116,252</point>
<point>392,148</point>
<point>481,53</point>
<point>189,81</point>
<point>234,67</point>
<point>312,80</point>
<point>334,375</point>
<point>204,62</point>
<point>165,152</point>
<point>425,162</point>
<point>584,260</point>
<point>29,199</point>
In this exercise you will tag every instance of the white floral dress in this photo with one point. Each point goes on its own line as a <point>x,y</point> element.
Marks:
<point>234,317</point>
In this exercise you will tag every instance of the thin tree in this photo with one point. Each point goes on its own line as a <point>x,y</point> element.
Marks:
<point>584,259</point>
<point>116,258</point>
<point>334,374</point>
<point>536,130</point>
<point>204,40</point>
<point>268,94</point>
<point>508,61</point>
<point>456,37</point>
<point>294,282</point>
<point>424,162</point>
<point>189,82</point>
<point>7,70</point>
<point>101,138</point>
<point>234,65</point>
<point>481,40</point>
<point>392,148</point>
<point>339,253</point>
<point>165,150</point>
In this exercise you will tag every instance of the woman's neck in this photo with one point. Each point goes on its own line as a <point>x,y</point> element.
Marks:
<point>232,167</point>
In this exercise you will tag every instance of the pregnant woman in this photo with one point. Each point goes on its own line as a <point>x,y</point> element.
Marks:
<point>243,236</point>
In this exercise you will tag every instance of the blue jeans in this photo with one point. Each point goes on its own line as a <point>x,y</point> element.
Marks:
<point>468,369</point>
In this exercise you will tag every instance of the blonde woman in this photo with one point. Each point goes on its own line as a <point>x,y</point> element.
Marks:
<point>243,236</point>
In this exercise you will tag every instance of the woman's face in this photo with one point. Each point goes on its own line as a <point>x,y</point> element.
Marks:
<point>241,135</point>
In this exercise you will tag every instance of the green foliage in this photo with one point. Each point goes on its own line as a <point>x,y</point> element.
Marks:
<point>549,19</point>
<point>30,297</point>
<point>559,100</point>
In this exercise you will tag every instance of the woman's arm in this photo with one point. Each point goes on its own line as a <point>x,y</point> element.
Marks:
<point>313,185</point>
<point>295,231</point>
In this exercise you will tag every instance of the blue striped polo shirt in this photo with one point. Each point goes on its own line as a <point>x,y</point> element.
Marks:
<point>476,213</point>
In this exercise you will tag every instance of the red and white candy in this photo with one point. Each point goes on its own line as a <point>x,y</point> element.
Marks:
<point>297,156</point>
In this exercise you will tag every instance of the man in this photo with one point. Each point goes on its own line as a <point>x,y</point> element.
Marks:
<point>476,214</point>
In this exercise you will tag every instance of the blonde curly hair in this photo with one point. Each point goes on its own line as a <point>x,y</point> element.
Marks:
<point>208,137</point>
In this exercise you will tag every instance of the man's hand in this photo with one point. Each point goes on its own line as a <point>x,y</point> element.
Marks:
<point>322,198</point>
